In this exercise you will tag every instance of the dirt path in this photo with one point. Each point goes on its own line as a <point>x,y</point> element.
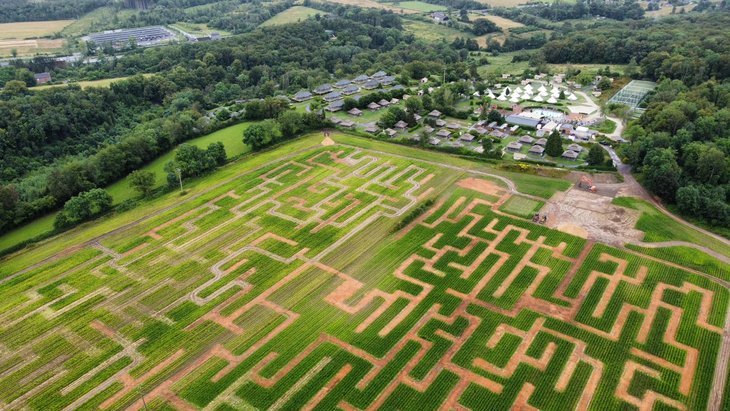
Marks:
<point>721,369</point>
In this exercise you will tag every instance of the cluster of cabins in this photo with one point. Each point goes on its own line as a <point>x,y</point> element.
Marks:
<point>544,127</point>
<point>538,147</point>
<point>335,93</point>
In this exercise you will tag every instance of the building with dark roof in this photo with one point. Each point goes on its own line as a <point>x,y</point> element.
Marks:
<point>302,95</point>
<point>522,121</point>
<point>323,89</point>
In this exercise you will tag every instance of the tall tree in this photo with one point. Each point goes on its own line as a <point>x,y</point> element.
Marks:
<point>554,146</point>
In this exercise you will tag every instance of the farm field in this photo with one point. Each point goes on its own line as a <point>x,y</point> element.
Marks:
<point>433,32</point>
<point>83,84</point>
<point>309,276</point>
<point>421,6</point>
<point>32,29</point>
<point>372,4</point>
<point>291,15</point>
<point>502,22</point>
<point>504,3</point>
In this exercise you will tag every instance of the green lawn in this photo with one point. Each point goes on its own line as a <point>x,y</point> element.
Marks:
<point>420,6</point>
<point>231,137</point>
<point>291,15</point>
<point>521,206</point>
<point>657,227</point>
<point>606,126</point>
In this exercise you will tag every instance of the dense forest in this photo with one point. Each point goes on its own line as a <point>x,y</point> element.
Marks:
<point>56,143</point>
<point>691,48</point>
<point>28,10</point>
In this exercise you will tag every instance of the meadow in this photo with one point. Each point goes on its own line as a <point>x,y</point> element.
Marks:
<point>659,228</point>
<point>286,280</point>
<point>291,15</point>
<point>420,6</point>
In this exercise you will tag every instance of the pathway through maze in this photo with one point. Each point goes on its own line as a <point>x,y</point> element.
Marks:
<point>290,289</point>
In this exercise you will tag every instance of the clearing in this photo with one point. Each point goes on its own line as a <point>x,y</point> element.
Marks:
<point>291,15</point>
<point>279,282</point>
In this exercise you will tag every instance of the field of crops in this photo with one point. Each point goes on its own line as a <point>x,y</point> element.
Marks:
<point>309,282</point>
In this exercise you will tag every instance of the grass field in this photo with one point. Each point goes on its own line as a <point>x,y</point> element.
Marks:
<point>371,4</point>
<point>504,3</point>
<point>433,32</point>
<point>97,20</point>
<point>280,282</point>
<point>658,227</point>
<point>502,22</point>
<point>231,137</point>
<point>420,6</point>
<point>521,206</point>
<point>291,15</point>
<point>32,29</point>
<point>86,84</point>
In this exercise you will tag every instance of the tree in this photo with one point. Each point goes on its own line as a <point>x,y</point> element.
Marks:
<point>662,173</point>
<point>595,155</point>
<point>83,206</point>
<point>487,145</point>
<point>495,115</point>
<point>256,136</point>
<point>413,105</point>
<point>554,146</point>
<point>217,153</point>
<point>484,26</point>
<point>142,181</point>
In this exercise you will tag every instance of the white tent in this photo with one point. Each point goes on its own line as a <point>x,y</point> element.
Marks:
<point>537,98</point>
<point>555,90</point>
<point>490,94</point>
<point>515,98</point>
<point>528,87</point>
<point>552,100</point>
<point>518,90</point>
<point>572,97</point>
<point>476,94</point>
<point>542,89</point>
<point>515,94</point>
<point>543,94</point>
<point>502,97</point>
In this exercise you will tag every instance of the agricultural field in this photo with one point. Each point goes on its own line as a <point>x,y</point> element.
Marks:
<point>503,23</point>
<point>504,3</point>
<point>334,276</point>
<point>433,32</point>
<point>31,38</point>
<point>372,4</point>
<point>32,29</point>
<point>291,15</point>
<point>420,6</point>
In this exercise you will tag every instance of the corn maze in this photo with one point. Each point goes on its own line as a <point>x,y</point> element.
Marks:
<point>289,288</point>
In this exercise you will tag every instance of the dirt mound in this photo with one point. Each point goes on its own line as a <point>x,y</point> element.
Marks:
<point>328,142</point>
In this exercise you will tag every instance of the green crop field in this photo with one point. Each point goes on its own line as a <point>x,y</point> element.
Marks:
<point>303,277</point>
<point>292,15</point>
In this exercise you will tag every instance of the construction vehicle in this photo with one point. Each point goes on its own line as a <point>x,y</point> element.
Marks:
<point>586,184</point>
